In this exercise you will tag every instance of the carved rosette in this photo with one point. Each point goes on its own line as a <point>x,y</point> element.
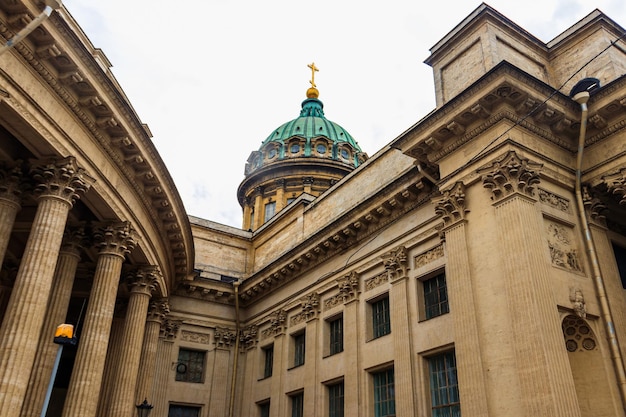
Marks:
<point>248,337</point>
<point>277,324</point>
<point>616,184</point>
<point>116,239</point>
<point>510,174</point>
<point>451,205</point>
<point>396,263</point>
<point>11,183</point>
<point>224,337</point>
<point>144,279</point>
<point>63,179</point>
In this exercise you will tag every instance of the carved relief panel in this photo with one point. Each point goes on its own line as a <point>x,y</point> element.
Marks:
<point>563,249</point>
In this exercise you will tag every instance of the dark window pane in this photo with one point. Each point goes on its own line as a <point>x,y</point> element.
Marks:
<point>299,345</point>
<point>436,296</point>
<point>183,411</point>
<point>297,405</point>
<point>444,388</point>
<point>190,366</point>
<point>335,400</point>
<point>384,394</point>
<point>269,361</point>
<point>380,318</point>
<point>336,336</point>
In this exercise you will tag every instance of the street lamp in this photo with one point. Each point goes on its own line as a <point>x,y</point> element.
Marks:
<point>144,409</point>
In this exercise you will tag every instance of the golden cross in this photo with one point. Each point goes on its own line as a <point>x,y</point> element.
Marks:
<point>314,69</point>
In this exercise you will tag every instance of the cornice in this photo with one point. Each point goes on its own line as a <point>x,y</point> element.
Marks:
<point>112,122</point>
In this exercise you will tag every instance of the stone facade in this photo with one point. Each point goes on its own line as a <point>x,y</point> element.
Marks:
<point>463,256</point>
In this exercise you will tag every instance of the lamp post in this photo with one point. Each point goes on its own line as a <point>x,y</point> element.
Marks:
<point>144,409</point>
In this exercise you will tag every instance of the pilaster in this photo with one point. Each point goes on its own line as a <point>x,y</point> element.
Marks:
<point>142,283</point>
<point>258,208</point>
<point>57,185</point>
<point>451,206</point>
<point>163,372</point>
<point>157,311</point>
<point>114,241</point>
<point>349,292</point>
<point>310,313</point>
<point>220,394</point>
<point>546,385</point>
<point>280,195</point>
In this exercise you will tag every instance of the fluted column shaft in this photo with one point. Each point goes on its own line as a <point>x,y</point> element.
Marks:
<point>123,396</point>
<point>164,367</point>
<point>351,344</point>
<point>84,388</point>
<point>58,184</point>
<point>110,364</point>
<point>147,364</point>
<point>311,355</point>
<point>55,315</point>
<point>10,198</point>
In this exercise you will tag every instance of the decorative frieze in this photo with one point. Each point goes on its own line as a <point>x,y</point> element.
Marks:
<point>224,337</point>
<point>509,174</point>
<point>277,324</point>
<point>563,251</point>
<point>195,337</point>
<point>428,256</point>
<point>451,204</point>
<point>310,309</point>
<point>550,199</point>
<point>374,282</point>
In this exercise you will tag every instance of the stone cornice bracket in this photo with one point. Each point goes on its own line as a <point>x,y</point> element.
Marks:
<point>115,238</point>
<point>144,279</point>
<point>616,184</point>
<point>396,263</point>
<point>594,207</point>
<point>158,310</point>
<point>510,174</point>
<point>248,337</point>
<point>11,183</point>
<point>451,205</point>
<point>224,337</point>
<point>61,178</point>
<point>348,286</point>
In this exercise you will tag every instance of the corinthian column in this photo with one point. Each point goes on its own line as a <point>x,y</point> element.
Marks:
<point>57,185</point>
<point>142,283</point>
<point>10,198</point>
<point>69,256</point>
<point>114,242</point>
<point>156,314</point>
<point>546,386</point>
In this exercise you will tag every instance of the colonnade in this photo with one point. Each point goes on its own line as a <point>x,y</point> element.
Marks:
<point>40,296</point>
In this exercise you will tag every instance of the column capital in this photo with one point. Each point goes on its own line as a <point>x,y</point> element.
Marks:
<point>594,207</point>
<point>348,286</point>
<point>616,184</point>
<point>74,240</point>
<point>11,183</point>
<point>451,205</point>
<point>277,324</point>
<point>169,329</point>
<point>61,178</point>
<point>158,310</point>
<point>396,263</point>
<point>144,279</point>
<point>249,337</point>
<point>224,337</point>
<point>310,304</point>
<point>510,174</point>
<point>115,238</point>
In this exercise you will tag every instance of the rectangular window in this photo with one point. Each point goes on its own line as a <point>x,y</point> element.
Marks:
<point>183,411</point>
<point>436,296</point>
<point>335,400</point>
<point>444,388</point>
<point>297,405</point>
<point>299,343</point>
<point>264,409</point>
<point>336,335</point>
<point>190,366</point>
<point>270,210</point>
<point>381,322</point>
<point>269,361</point>
<point>384,395</point>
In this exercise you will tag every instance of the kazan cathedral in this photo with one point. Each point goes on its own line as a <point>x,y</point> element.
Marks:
<point>474,266</point>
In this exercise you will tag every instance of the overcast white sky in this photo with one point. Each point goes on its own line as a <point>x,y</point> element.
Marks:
<point>213,78</point>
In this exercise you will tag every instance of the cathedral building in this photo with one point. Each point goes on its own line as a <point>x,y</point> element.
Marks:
<point>474,266</point>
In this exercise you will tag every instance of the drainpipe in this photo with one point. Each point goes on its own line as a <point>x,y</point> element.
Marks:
<point>233,382</point>
<point>47,11</point>
<point>605,311</point>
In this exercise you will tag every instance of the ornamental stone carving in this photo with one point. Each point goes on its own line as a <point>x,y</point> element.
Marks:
<point>578,302</point>
<point>277,324</point>
<point>348,287</point>
<point>169,329</point>
<point>374,282</point>
<point>158,310</point>
<point>195,337</point>
<point>594,207</point>
<point>451,205</point>
<point>429,256</point>
<point>61,178</point>
<point>11,183</point>
<point>510,174</point>
<point>616,184</point>
<point>74,240</point>
<point>144,279</point>
<point>563,251</point>
<point>116,238</point>
<point>248,337</point>
<point>310,309</point>
<point>224,337</point>
<point>550,199</point>
<point>396,263</point>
